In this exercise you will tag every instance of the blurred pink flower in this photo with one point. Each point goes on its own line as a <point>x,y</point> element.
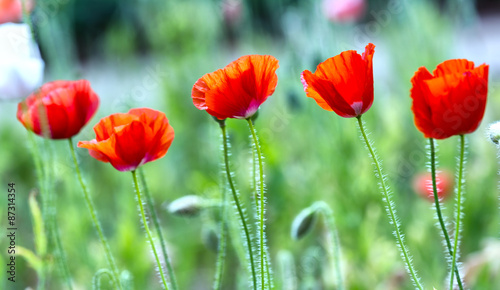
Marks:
<point>231,10</point>
<point>12,10</point>
<point>344,10</point>
<point>422,185</point>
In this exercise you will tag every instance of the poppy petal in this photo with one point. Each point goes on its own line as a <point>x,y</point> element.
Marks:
<point>237,90</point>
<point>420,105</point>
<point>343,83</point>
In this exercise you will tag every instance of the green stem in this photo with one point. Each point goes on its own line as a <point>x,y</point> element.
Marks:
<point>148,232</point>
<point>52,227</point>
<point>334,239</point>
<point>390,208</point>
<point>95,219</point>
<point>156,223</point>
<point>96,280</point>
<point>263,257</point>
<point>254,178</point>
<point>439,213</point>
<point>238,206</point>
<point>61,256</point>
<point>221,251</point>
<point>458,213</point>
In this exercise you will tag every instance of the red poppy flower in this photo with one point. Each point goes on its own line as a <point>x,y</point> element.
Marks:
<point>128,140</point>
<point>65,106</point>
<point>343,83</point>
<point>451,101</point>
<point>237,90</point>
<point>422,185</point>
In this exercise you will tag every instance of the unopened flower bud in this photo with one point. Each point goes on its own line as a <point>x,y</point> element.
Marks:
<point>303,223</point>
<point>210,238</point>
<point>494,132</point>
<point>186,206</point>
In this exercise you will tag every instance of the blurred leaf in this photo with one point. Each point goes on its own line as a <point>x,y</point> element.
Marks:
<point>38,226</point>
<point>33,260</point>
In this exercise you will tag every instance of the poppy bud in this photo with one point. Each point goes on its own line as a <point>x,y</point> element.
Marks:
<point>186,206</point>
<point>210,238</point>
<point>494,132</point>
<point>303,223</point>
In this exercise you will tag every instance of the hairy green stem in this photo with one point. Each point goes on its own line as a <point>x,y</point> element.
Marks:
<point>95,220</point>
<point>390,208</point>
<point>437,204</point>
<point>63,265</point>
<point>238,206</point>
<point>221,251</point>
<point>96,280</point>
<point>458,213</point>
<point>148,232</point>
<point>48,216</point>
<point>263,256</point>
<point>156,223</point>
<point>334,239</point>
<point>254,178</point>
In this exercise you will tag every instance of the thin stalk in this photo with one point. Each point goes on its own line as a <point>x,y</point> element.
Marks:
<point>95,220</point>
<point>96,280</point>
<point>156,223</point>
<point>52,227</point>
<point>62,257</point>
<point>238,206</point>
<point>48,216</point>
<point>458,213</point>
<point>334,239</point>
<point>221,251</point>
<point>254,178</point>
<point>148,232</point>
<point>437,204</point>
<point>263,257</point>
<point>390,208</point>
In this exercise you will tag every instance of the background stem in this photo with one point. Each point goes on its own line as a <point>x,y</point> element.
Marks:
<point>439,213</point>
<point>156,223</point>
<point>238,206</point>
<point>148,232</point>
<point>334,240</point>
<point>458,213</point>
<point>390,208</point>
<point>264,266</point>
<point>95,219</point>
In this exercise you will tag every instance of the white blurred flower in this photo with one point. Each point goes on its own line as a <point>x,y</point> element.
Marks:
<point>21,66</point>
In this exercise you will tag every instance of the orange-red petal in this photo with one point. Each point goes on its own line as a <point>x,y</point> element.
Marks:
<point>60,108</point>
<point>237,90</point>
<point>343,83</point>
<point>450,102</point>
<point>129,140</point>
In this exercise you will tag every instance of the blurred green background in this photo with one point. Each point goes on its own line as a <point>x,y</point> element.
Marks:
<point>149,53</point>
